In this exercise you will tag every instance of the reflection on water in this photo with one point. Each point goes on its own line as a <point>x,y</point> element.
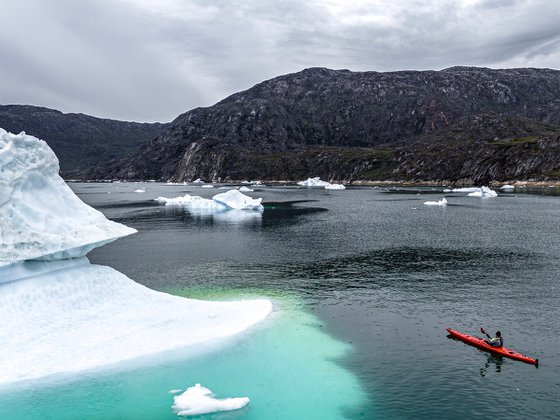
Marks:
<point>493,361</point>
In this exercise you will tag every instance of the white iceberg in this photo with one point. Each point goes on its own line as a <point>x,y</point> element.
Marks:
<point>483,192</point>
<point>198,400</point>
<point>313,182</point>
<point>245,189</point>
<point>140,190</point>
<point>239,201</point>
<point>335,187</point>
<point>40,216</point>
<point>198,181</point>
<point>466,189</point>
<point>232,199</point>
<point>442,202</point>
<point>507,187</point>
<point>207,186</point>
<point>69,316</point>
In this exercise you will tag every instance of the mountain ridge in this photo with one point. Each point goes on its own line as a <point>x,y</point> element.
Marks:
<point>79,140</point>
<point>350,126</point>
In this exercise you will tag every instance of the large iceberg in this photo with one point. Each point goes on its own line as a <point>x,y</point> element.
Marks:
<point>40,216</point>
<point>63,314</point>
<point>232,199</point>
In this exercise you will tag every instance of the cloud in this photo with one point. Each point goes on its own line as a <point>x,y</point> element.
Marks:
<point>151,60</point>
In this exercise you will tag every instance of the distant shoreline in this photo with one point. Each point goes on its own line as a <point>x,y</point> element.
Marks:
<point>390,183</point>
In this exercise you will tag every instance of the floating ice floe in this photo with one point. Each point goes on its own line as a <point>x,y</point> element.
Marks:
<point>40,216</point>
<point>442,202</point>
<point>245,189</point>
<point>198,181</point>
<point>198,400</point>
<point>140,190</point>
<point>483,192</point>
<point>507,187</point>
<point>232,199</point>
<point>207,186</point>
<point>335,187</point>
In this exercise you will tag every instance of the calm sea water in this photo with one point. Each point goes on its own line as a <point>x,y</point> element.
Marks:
<point>376,277</point>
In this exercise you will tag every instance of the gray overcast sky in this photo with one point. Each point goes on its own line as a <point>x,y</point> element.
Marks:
<point>150,60</point>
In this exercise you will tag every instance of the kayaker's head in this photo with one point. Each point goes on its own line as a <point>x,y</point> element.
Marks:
<point>498,334</point>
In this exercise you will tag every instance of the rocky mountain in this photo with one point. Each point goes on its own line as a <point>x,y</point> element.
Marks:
<point>79,141</point>
<point>461,124</point>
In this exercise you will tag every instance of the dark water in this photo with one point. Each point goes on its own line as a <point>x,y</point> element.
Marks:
<point>383,272</point>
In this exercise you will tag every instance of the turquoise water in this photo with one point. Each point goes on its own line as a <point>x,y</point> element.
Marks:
<point>288,367</point>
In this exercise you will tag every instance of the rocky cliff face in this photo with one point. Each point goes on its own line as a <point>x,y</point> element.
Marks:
<point>460,123</point>
<point>79,141</point>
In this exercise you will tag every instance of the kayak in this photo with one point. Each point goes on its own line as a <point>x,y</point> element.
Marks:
<point>499,351</point>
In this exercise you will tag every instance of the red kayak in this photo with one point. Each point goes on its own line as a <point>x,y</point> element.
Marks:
<point>499,351</point>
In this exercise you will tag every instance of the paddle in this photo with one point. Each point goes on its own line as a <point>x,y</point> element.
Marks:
<point>484,332</point>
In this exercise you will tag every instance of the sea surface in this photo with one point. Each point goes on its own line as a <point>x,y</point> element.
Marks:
<point>364,282</point>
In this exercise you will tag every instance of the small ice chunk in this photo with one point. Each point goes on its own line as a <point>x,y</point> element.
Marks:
<point>313,182</point>
<point>198,400</point>
<point>467,189</point>
<point>335,187</point>
<point>175,391</point>
<point>198,181</point>
<point>140,190</point>
<point>507,187</point>
<point>442,202</point>
<point>207,186</point>
<point>245,189</point>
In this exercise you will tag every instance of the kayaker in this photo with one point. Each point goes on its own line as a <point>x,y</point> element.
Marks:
<point>497,341</point>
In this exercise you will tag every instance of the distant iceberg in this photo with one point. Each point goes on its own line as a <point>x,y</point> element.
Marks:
<point>140,190</point>
<point>466,190</point>
<point>245,189</point>
<point>316,182</point>
<point>483,192</point>
<point>313,182</point>
<point>507,187</point>
<point>335,187</point>
<point>40,216</point>
<point>442,202</point>
<point>232,199</point>
<point>477,192</point>
<point>198,400</point>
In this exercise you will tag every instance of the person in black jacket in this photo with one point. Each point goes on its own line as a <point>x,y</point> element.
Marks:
<point>497,341</point>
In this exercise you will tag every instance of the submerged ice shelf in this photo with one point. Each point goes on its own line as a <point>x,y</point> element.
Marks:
<point>67,316</point>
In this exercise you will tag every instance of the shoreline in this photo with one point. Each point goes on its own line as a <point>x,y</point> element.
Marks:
<point>356,183</point>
